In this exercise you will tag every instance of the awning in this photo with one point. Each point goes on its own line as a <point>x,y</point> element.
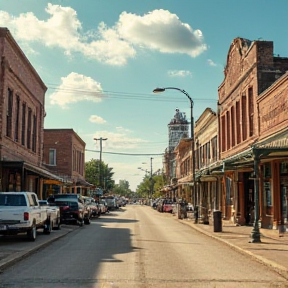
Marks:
<point>82,182</point>
<point>32,168</point>
<point>43,172</point>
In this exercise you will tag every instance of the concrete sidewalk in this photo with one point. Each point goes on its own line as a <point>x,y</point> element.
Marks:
<point>272,251</point>
<point>14,248</point>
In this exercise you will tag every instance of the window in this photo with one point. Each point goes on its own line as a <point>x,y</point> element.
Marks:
<point>29,124</point>
<point>52,157</point>
<point>17,119</point>
<point>34,133</point>
<point>9,114</point>
<point>23,124</point>
<point>251,111</point>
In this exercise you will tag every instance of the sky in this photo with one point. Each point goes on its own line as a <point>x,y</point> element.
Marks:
<point>102,59</point>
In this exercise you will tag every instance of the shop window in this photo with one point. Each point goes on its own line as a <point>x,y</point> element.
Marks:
<point>284,168</point>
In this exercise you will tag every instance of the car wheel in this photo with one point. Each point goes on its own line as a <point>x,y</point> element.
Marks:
<point>81,223</point>
<point>32,234</point>
<point>87,221</point>
<point>48,228</point>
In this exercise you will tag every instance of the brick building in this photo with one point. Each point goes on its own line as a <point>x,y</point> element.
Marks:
<point>251,69</point>
<point>64,155</point>
<point>22,115</point>
<point>208,186</point>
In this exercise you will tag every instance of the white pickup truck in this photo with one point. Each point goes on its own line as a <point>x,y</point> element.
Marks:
<point>20,212</point>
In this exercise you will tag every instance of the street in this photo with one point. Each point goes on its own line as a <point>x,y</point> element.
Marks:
<point>137,246</point>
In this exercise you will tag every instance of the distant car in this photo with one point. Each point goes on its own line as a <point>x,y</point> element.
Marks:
<point>167,206</point>
<point>53,212</point>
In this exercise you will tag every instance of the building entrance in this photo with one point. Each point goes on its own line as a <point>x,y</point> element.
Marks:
<point>249,199</point>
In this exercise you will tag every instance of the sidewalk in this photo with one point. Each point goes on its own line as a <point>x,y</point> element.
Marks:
<point>272,251</point>
<point>14,248</point>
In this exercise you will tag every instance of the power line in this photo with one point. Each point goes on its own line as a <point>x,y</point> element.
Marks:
<point>124,95</point>
<point>127,154</point>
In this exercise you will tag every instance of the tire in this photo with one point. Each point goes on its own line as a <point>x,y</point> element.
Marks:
<point>32,234</point>
<point>48,228</point>
<point>81,223</point>
<point>87,221</point>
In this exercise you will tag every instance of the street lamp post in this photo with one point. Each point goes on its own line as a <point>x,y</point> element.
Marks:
<point>159,90</point>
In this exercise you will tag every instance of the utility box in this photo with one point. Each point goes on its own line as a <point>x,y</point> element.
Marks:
<point>217,221</point>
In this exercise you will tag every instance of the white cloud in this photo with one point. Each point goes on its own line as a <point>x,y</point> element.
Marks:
<point>64,30</point>
<point>158,30</point>
<point>118,140</point>
<point>211,63</point>
<point>75,88</point>
<point>163,31</point>
<point>179,73</point>
<point>97,119</point>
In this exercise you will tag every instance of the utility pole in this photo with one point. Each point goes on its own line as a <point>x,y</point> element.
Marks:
<point>151,179</point>
<point>100,172</point>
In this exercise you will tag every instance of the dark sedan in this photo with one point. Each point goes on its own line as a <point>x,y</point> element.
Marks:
<point>72,211</point>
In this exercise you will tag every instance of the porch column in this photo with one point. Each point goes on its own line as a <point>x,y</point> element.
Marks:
<point>255,234</point>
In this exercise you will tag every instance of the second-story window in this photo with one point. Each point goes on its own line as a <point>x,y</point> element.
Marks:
<point>17,119</point>
<point>34,133</point>
<point>52,157</point>
<point>9,114</point>
<point>23,124</point>
<point>29,124</point>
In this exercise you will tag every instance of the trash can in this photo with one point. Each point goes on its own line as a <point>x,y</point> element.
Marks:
<point>217,221</point>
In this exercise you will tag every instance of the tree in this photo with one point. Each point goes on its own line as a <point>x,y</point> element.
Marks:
<point>122,188</point>
<point>92,174</point>
<point>144,188</point>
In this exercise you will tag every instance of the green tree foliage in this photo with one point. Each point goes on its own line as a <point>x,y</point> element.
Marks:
<point>92,174</point>
<point>122,189</point>
<point>144,188</point>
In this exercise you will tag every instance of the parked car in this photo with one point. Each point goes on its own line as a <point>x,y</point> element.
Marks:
<point>20,212</point>
<point>103,206</point>
<point>167,206</point>
<point>53,212</point>
<point>70,213</point>
<point>92,206</point>
<point>111,202</point>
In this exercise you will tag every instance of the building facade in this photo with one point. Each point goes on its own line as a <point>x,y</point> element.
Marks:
<point>64,155</point>
<point>251,69</point>
<point>22,115</point>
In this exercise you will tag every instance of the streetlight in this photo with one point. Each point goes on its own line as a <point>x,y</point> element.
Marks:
<point>159,90</point>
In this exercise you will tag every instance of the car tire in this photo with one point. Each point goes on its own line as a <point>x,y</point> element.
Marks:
<point>87,221</point>
<point>81,223</point>
<point>32,234</point>
<point>48,228</point>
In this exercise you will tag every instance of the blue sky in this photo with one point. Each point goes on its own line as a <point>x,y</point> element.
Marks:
<point>101,61</point>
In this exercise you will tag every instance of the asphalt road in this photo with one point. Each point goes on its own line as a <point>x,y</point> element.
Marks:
<point>138,247</point>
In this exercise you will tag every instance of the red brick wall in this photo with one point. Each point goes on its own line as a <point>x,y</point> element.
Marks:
<point>251,68</point>
<point>18,75</point>
<point>65,141</point>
